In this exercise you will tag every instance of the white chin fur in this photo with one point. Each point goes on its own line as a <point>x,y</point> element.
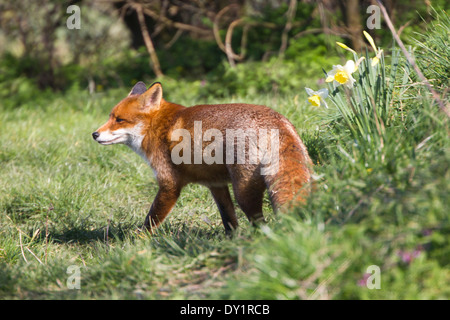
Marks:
<point>130,136</point>
<point>105,143</point>
<point>107,137</point>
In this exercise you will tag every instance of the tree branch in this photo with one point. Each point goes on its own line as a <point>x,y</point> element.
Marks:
<point>174,24</point>
<point>228,48</point>
<point>290,16</point>
<point>148,42</point>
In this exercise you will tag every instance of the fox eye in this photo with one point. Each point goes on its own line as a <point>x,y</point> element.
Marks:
<point>119,120</point>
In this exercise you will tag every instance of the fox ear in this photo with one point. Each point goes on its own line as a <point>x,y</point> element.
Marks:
<point>151,99</point>
<point>139,88</point>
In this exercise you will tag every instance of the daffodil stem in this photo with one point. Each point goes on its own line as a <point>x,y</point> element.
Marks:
<point>444,107</point>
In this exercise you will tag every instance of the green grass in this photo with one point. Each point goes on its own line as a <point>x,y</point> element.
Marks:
<point>67,201</point>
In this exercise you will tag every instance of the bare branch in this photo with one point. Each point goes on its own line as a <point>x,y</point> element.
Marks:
<point>174,24</point>
<point>228,49</point>
<point>290,16</point>
<point>177,35</point>
<point>216,26</point>
<point>148,42</point>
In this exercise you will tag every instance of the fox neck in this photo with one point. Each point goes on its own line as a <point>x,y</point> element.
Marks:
<point>155,129</point>
<point>135,143</point>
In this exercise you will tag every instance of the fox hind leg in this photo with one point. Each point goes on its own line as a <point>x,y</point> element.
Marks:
<point>250,199</point>
<point>223,200</point>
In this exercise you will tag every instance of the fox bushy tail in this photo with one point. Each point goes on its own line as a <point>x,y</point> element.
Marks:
<point>292,182</point>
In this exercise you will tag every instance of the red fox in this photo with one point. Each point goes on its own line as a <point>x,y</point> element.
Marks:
<point>250,146</point>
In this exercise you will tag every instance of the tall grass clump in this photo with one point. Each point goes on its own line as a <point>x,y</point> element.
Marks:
<point>432,51</point>
<point>382,193</point>
<point>366,117</point>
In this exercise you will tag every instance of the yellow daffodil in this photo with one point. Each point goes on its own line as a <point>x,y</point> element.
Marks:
<point>376,59</point>
<point>370,39</point>
<point>340,44</point>
<point>343,46</point>
<point>341,75</point>
<point>317,98</point>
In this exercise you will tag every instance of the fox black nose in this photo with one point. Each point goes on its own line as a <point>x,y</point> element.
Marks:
<point>95,135</point>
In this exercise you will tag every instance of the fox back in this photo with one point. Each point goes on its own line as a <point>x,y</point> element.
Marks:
<point>250,146</point>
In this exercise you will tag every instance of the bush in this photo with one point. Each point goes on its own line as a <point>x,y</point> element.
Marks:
<point>276,76</point>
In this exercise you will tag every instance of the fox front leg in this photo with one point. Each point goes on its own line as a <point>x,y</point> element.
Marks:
<point>162,205</point>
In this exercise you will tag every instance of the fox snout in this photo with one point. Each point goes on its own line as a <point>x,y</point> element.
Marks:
<point>95,135</point>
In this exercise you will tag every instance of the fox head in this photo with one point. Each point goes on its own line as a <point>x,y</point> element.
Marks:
<point>126,123</point>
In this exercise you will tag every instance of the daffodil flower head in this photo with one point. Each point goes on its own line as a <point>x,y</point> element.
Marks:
<point>376,59</point>
<point>370,39</point>
<point>343,46</point>
<point>342,75</point>
<point>317,98</point>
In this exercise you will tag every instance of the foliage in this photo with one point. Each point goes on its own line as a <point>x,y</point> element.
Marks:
<point>105,51</point>
<point>276,75</point>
